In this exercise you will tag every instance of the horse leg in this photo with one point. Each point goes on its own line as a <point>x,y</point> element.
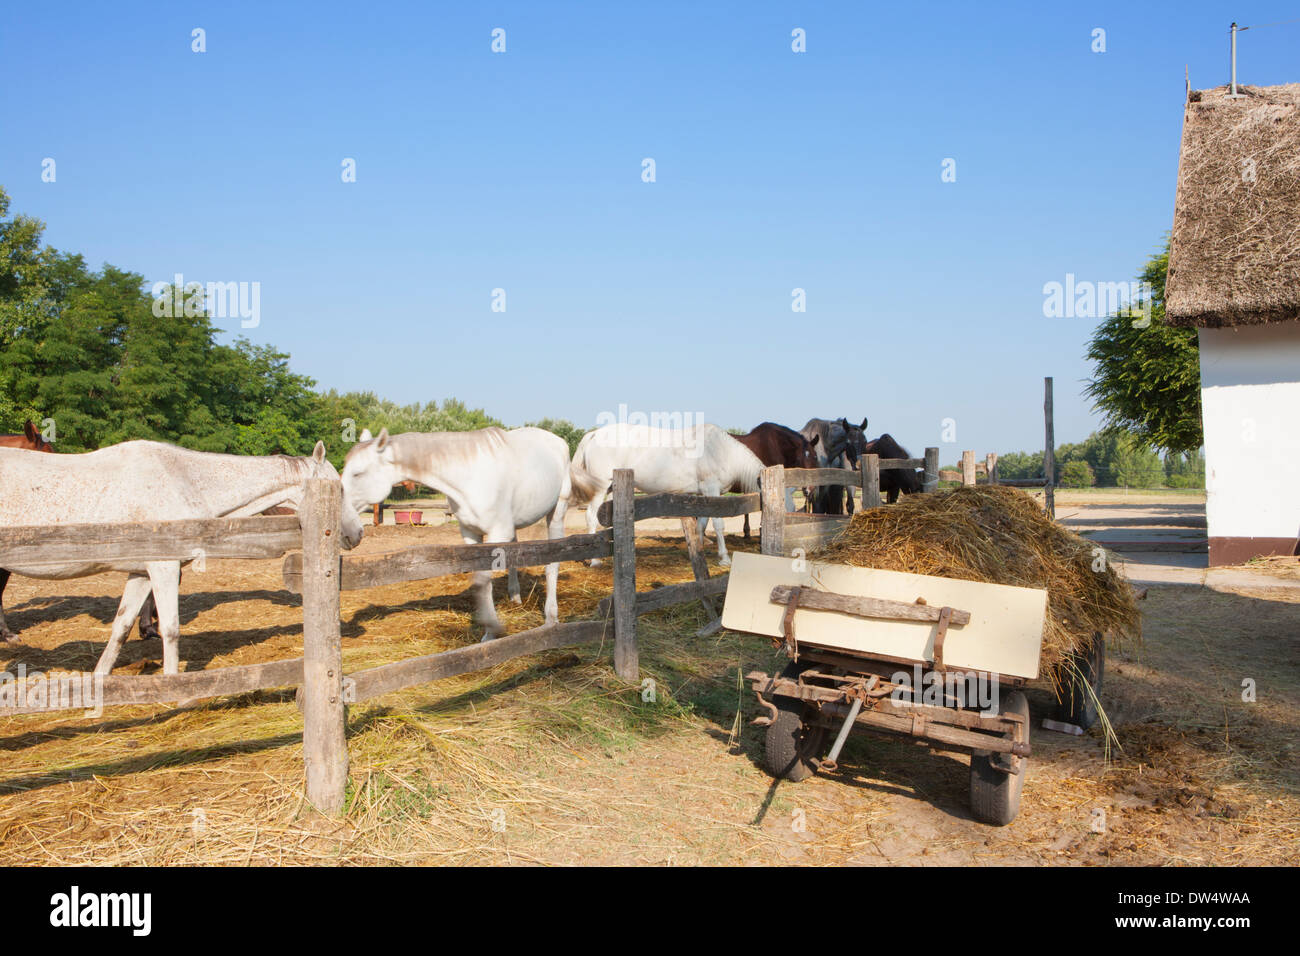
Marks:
<point>133,595</point>
<point>484,613</point>
<point>165,576</point>
<point>747,524</point>
<point>149,615</point>
<point>714,488</point>
<point>513,576</point>
<point>5,633</point>
<point>593,524</point>
<point>554,529</point>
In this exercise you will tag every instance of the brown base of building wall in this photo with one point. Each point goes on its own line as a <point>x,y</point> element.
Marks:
<point>1239,550</point>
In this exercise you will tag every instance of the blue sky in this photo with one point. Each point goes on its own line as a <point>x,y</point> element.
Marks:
<point>775,170</point>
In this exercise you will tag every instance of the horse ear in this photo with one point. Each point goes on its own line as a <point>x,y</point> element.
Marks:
<point>29,430</point>
<point>365,435</point>
<point>382,441</point>
<point>863,426</point>
<point>815,440</point>
<point>319,451</point>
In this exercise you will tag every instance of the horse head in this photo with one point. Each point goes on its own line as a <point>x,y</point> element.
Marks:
<point>318,466</point>
<point>808,453</point>
<point>35,441</point>
<point>369,472</point>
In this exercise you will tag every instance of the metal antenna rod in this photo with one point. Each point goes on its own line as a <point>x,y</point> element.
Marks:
<point>1234,92</point>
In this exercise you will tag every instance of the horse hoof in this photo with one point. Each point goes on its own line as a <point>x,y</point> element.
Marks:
<point>595,563</point>
<point>724,562</point>
<point>489,636</point>
<point>516,599</point>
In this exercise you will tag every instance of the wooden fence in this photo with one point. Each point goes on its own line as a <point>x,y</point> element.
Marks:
<point>315,568</point>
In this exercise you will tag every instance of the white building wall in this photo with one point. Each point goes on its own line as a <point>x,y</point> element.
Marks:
<point>1250,394</point>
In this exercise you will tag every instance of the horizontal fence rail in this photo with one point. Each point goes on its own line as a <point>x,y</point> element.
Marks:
<point>435,560</point>
<point>374,681</point>
<point>115,691</point>
<point>669,594</point>
<point>53,546</point>
<point>671,505</point>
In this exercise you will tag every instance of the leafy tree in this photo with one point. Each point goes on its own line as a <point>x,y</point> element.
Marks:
<point>570,432</point>
<point>1077,474</point>
<point>1020,464</point>
<point>1147,376</point>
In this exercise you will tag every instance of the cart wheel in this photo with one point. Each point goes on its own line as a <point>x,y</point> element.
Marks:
<point>792,746</point>
<point>1079,705</point>
<point>994,793</point>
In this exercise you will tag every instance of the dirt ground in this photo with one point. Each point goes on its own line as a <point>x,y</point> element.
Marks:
<point>553,760</point>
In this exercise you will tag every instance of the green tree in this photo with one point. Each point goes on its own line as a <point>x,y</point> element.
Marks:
<point>1147,376</point>
<point>1077,474</point>
<point>570,432</point>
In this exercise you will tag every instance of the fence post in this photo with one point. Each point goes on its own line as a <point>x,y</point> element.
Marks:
<point>871,482</point>
<point>968,468</point>
<point>324,742</point>
<point>771,534</point>
<point>931,480</point>
<point>626,662</point>
<point>991,466</point>
<point>1049,449</point>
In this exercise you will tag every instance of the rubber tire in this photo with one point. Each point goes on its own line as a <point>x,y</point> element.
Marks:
<point>1079,707</point>
<point>791,748</point>
<point>994,794</point>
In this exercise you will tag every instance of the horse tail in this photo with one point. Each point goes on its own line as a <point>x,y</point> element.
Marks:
<point>585,485</point>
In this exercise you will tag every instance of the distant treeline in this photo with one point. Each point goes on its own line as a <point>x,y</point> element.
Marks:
<point>84,354</point>
<point>1109,459</point>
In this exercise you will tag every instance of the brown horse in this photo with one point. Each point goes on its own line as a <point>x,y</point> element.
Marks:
<point>777,445</point>
<point>31,440</point>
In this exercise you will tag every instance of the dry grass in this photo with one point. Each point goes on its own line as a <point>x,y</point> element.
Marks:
<point>552,760</point>
<point>1277,566</point>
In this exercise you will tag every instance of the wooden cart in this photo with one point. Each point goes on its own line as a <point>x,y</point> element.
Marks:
<point>895,654</point>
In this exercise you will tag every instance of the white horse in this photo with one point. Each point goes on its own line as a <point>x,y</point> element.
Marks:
<point>496,482</point>
<point>702,460</point>
<point>149,481</point>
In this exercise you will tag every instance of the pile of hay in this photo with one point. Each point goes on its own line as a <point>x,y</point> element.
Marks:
<point>997,535</point>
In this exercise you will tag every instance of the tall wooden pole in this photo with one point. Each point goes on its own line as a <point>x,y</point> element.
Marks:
<point>771,534</point>
<point>324,742</point>
<point>968,467</point>
<point>627,663</point>
<point>1049,449</point>
<point>931,480</point>
<point>870,482</point>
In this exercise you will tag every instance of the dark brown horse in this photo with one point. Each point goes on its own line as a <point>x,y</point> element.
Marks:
<point>895,480</point>
<point>777,445</point>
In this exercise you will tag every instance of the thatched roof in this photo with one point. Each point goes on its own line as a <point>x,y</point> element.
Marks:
<point>1234,257</point>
